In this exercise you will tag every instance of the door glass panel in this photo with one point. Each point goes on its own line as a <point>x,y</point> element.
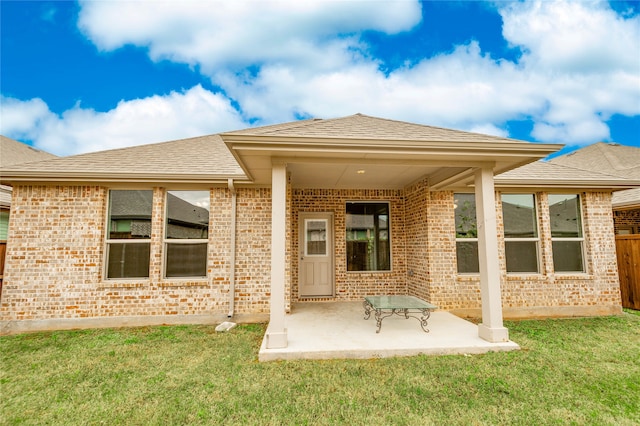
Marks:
<point>316,237</point>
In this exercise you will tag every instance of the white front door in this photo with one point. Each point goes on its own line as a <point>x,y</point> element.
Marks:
<point>315,274</point>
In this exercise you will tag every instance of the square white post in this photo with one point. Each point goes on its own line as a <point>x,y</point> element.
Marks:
<point>276,336</point>
<point>491,329</point>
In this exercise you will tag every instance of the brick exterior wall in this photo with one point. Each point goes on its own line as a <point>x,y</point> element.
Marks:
<point>55,259</point>
<point>627,220</point>
<point>417,227</point>
<point>353,285</point>
<point>595,292</point>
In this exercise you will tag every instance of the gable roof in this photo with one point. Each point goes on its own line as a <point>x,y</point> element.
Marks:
<point>324,152</point>
<point>611,158</point>
<point>13,152</point>
<point>360,126</point>
<point>193,160</point>
<point>550,175</point>
<point>406,150</point>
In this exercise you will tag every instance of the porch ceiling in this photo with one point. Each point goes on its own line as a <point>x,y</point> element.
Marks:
<point>368,164</point>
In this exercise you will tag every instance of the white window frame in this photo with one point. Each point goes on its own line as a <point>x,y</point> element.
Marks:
<point>109,241</point>
<point>166,241</point>
<point>569,239</point>
<point>528,239</point>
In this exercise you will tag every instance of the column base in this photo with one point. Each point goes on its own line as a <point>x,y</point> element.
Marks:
<point>276,339</point>
<point>493,335</point>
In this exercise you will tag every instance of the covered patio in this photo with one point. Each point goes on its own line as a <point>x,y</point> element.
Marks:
<point>334,330</point>
<point>363,153</point>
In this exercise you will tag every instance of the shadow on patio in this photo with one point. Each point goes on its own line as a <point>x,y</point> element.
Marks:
<point>327,330</point>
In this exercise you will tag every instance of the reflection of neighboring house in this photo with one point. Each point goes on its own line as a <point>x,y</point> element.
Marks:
<point>309,211</point>
<point>12,153</point>
<point>131,216</point>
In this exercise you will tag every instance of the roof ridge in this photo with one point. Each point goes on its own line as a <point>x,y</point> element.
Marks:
<point>586,170</point>
<point>276,126</point>
<point>613,159</point>
<point>429,126</point>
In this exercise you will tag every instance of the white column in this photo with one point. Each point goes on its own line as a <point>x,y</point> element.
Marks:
<point>491,329</point>
<point>276,336</point>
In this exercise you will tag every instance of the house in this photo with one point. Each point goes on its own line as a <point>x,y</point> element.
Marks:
<point>313,210</point>
<point>619,160</point>
<point>11,153</point>
<point>624,161</point>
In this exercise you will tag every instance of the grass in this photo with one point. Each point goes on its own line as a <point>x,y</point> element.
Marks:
<point>572,371</point>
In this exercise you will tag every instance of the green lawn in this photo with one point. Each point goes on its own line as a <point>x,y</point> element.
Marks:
<point>577,371</point>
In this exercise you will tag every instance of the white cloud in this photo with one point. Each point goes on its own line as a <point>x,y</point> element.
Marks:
<point>573,37</point>
<point>239,33</point>
<point>280,59</point>
<point>463,89</point>
<point>159,118</point>
<point>20,117</point>
<point>586,59</point>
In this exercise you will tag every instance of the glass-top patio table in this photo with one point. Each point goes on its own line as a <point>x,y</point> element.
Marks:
<point>385,306</point>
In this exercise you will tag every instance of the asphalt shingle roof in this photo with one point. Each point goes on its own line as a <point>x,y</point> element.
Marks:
<point>205,155</point>
<point>612,158</point>
<point>13,152</point>
<point>546,171</point>
<point>616,159</point>
<point>360,126</point>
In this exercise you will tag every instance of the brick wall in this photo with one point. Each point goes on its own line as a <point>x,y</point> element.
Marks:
<point>548,293</point>
<point>353,285</point>
<point>55,258</point>
<point>56,249</point>
<point>627,221</point>
<point>417,220</point>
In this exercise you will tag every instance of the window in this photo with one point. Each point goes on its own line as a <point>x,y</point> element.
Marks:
<point>566,232</point>
<point>129,234</point>
<point>466,233</point>
<point>368,238</point>
<point>186,233</point>
<point>520,232</point>
<point>316,237</point>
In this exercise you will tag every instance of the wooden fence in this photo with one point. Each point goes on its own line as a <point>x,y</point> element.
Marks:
<point>628,251</point>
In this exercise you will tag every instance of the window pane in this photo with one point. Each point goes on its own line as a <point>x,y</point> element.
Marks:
<point>519,214</point>
<point>316,236</point>
<point>567,256</point>
<point>128,260</point>
<point>465,211</point>
<point>564,212</point>
<point>187,214</point>
<point>186,260</point>
<point>368,245</point>
<point>522,256</point>
<point>467,255</point>
<point>130,214</point>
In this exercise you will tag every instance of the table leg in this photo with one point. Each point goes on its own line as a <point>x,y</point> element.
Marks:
<point>367,310</point>
<point>426,313</point>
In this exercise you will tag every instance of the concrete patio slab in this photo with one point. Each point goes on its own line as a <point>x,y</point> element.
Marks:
<point>334,330</point>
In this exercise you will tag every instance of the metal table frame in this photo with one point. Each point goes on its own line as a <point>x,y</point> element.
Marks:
<point>407,306</point>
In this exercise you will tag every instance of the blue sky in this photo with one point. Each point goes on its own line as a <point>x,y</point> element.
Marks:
<point>86,76</point>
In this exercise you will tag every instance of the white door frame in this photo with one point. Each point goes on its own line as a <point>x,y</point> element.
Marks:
<point>321,267</point>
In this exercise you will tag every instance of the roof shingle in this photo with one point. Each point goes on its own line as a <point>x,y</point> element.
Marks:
<point>360,126</point>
